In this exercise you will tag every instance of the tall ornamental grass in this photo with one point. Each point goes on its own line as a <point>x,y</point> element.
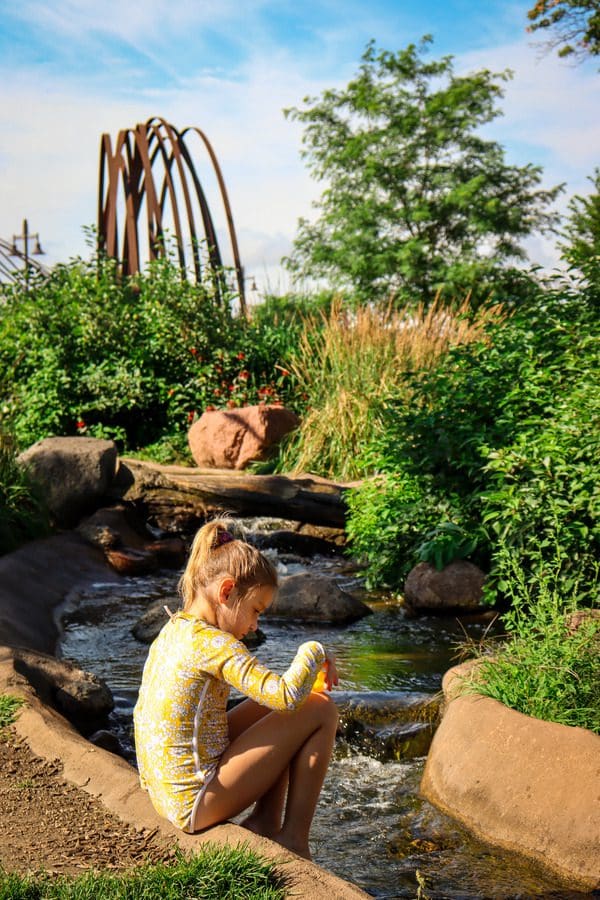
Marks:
<point>349,360</point>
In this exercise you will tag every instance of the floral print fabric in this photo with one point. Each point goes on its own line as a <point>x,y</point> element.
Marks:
<point>180,718</point>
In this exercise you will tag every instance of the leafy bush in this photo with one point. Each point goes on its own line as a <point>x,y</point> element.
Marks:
<point>508,428</point>
<point>23,515</point>
<point>135,359</point>
<point>547,667</point>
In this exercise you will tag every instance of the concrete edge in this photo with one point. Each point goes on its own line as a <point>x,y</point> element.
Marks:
<point>525,785</point>
<point>115,783</point>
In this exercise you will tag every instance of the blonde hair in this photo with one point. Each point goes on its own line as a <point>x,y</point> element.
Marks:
<point>217,551</point>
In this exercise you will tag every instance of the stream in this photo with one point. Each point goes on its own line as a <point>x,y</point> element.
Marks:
<point>371,827</point>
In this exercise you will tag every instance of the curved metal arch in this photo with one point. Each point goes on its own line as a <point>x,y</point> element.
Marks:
<point>148,166</point>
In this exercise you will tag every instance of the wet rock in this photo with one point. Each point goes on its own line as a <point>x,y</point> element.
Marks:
<point>316,598</point>
<point>232,438</point>
<point>149,624</point>
<point>128,544</point>
<point>80,695</point>
<point>387,726</point>
<point>459,586</point>
<point>127,561</point>
<point>107,740</point>
<point>73,473</point>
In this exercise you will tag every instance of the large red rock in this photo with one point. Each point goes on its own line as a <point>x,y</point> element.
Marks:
<point>518,782</point>
<point>232,438</point>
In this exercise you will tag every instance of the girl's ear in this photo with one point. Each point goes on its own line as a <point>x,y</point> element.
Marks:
<point>225,588</point>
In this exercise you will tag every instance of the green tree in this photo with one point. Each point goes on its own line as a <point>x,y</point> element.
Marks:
<point>575,25</point>
<point>416,200</point>
<point>582,249</point>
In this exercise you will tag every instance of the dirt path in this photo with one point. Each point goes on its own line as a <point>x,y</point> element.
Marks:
<point>52,825</point>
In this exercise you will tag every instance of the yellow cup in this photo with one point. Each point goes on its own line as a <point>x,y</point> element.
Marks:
<point>320,684</point>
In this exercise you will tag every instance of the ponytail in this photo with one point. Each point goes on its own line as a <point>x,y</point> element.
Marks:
<point>218,550</point>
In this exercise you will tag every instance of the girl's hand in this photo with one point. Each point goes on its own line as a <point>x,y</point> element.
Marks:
<point>331,672</point>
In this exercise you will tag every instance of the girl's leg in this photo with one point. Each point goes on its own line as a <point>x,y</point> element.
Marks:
<point>265,818</point>
<point>256,761</point>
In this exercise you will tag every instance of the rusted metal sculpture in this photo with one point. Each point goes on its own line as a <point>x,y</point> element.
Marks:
<point>151,166</point>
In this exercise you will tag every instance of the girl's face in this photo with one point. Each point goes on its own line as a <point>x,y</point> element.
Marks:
<point>239,616</point>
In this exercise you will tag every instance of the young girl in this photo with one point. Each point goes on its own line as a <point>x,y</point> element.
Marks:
<point>201,764</point>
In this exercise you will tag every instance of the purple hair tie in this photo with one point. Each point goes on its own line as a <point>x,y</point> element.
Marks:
<point>223,537</point>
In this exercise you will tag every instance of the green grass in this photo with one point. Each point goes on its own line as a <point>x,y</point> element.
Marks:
<point>214,873</point>
<point>8,709</point>
<point>545,667</point>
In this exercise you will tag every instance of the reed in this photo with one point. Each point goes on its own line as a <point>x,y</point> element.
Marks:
<point>349,361</point>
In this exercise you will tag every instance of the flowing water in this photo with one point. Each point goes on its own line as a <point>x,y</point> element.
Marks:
<point>371,827</point>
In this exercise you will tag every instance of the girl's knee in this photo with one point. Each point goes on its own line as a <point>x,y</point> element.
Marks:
<point>326,707</point>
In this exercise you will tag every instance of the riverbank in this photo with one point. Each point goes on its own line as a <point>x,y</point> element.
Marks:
<point>97,791</point>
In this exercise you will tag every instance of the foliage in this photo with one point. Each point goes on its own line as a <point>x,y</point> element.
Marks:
<point>582,239</point>
<point>445,543</point>
<point>575,25</point>
<point>23,515</point>
<point>416,200</point>
<point>548,667</point>
<point>506,431</point>
<point>87,352</point>
<point>387,517</point>
<point>345,365</point>
<point>212,873</point>
<point>8,709</point>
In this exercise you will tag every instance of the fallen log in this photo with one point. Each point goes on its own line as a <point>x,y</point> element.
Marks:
<point>179,497</point>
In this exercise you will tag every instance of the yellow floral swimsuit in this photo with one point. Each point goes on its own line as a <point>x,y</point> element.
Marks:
<point>180,718</point>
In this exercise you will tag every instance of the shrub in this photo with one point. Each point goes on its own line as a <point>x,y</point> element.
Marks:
<point>544,668</point>
<point>135,359</point>
<point>508,428</point>
<point>23,515</point>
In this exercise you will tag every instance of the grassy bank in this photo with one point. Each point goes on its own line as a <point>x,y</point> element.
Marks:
<point>214,873</point>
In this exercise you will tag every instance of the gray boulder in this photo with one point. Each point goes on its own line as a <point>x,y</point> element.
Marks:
<point>316,598</point>
<point>73,473</point>
<point>459,586</point>
<point>80,695</point>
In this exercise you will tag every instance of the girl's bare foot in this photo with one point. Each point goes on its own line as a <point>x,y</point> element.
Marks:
<point>299,849</point>
<point>260,826</point>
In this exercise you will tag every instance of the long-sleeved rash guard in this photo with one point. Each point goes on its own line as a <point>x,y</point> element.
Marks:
<point>180,718</point>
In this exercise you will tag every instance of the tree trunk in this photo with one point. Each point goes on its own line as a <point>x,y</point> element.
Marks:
<point>179,497</point>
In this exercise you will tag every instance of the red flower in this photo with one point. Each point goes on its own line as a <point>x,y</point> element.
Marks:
<point>80,425</point>
<point>241,355</point>
<point>209,408</point>
<point>217,392</point>
<point>231,404</point>
<point>190,415</point>
<point>193,351</point>
<point>244,375</point>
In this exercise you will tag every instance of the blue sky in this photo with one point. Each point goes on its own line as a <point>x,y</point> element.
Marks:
<point>73,69</point>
